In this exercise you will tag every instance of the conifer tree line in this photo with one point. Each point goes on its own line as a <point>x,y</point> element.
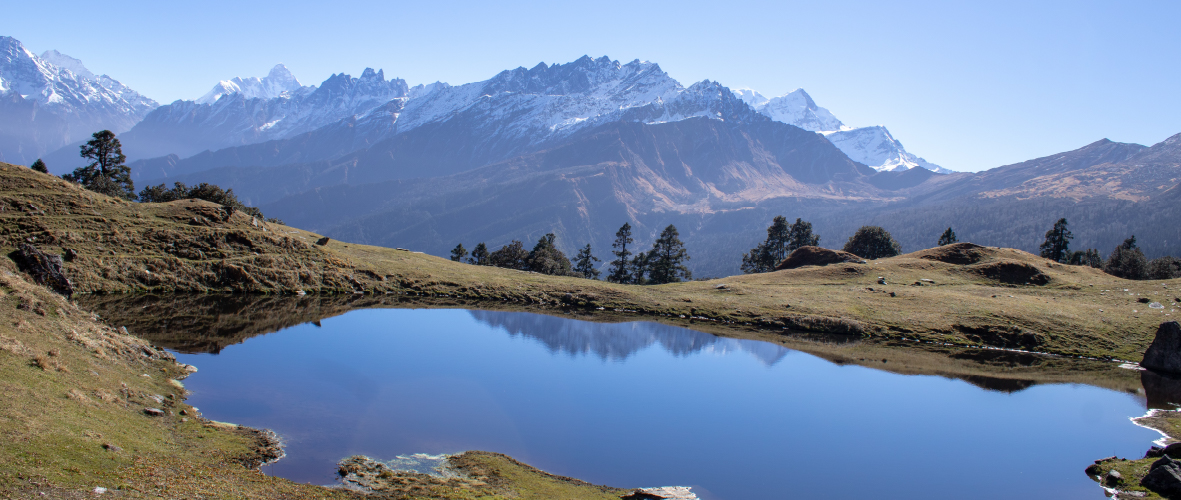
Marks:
<point>545,258</point>
<point>1125,261</point>
<point>107,173</point>
<point>664,263</point>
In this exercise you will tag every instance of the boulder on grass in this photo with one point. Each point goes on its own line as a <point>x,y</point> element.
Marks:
<point>1165,352</point>
<point>1164,478</point>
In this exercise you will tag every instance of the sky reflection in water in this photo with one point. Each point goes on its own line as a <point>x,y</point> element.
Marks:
<point>645,404</point>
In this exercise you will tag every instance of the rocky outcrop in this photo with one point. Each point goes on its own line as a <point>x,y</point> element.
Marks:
<point>1165,352</point>
<point>816,256</point>
<point>46,269</point>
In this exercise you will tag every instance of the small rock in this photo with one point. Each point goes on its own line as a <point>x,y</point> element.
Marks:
<point>1154,452</point>
<point>111,447</point>
<point>323,241</point>
<point>99,490</point>
<point>1142,300</point>
<point>1113,477</point>
<point>881,280</point>
<point>154,412</point>
<point>720,287</point>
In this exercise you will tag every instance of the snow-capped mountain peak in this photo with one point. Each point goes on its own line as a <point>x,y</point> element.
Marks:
<point>751,97</point>
<point>797,108</point>
<point>876,147</point>
<point>872,146</point>
<point>278,81</point>
<point>66,62</point>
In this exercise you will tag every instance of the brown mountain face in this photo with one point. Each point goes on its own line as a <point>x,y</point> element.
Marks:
<point>1138,177</point>
<point>621,172</point>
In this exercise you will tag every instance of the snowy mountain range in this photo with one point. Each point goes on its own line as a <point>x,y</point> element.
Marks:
<point>52,100</point>
<point>513,111</point>
<point>873,146</point>
<point>244,111</point>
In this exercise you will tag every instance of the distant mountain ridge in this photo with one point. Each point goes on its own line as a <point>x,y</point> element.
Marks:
<point>52,100</point>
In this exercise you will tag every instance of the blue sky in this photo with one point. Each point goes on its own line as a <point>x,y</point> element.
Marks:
<point>967,86</point>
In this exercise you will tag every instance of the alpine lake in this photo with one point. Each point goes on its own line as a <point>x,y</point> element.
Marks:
<point>643,404</point>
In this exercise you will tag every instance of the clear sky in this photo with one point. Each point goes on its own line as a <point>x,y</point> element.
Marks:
<point>968,85</point>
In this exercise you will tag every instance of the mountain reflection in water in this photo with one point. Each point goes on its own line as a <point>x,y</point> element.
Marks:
<point>650,404</point>
<point>618,341</point>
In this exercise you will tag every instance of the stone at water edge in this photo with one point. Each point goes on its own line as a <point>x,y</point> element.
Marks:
<point>666,492</point>
<point>1165,352</point>
<point>1164,478</point>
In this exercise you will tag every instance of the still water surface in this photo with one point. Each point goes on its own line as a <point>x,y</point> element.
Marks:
<point>645,404</point>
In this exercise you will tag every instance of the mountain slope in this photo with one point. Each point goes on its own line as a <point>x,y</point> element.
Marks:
<point>47,106</point>
<point>647,174</point>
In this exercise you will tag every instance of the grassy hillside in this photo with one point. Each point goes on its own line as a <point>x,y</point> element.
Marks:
<point>932,296</point>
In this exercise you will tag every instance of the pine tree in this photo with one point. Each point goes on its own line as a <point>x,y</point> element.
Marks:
<point>39,166</point>
<point>585,264</point>
<point>1127,263</point>
<point>1130,243</point>
<point>872,242</point>
<point>801,236</point>
<point>510,256</point>
<point>641,268</point>
<point>781,241</point>
<point>479,255</point>
<point>1164,268</point>
<point>619,269</point>
<point>547,259</point>
<point>758,260</point>
<point>666,260</point>
<point>948,237</point>
<point>458,253</point>
<point>106,172</point>
<point>1057,244</point>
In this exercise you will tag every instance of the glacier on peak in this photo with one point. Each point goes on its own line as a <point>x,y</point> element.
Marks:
<point>873,146</point>
<point>278,81</point>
